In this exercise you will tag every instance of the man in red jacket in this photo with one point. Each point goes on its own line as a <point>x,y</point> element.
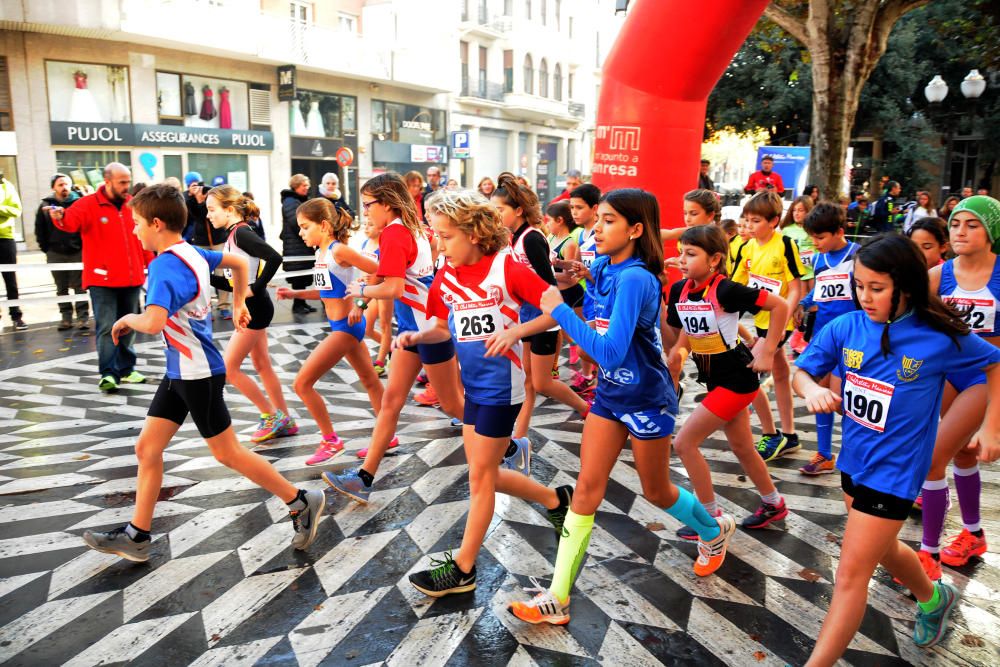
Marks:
<point>114,268</point>
<point>765,179</point>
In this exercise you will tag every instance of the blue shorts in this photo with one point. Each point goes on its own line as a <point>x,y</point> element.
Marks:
<point>491,421</point>
<point>434,353</point>
<point>357,330</point>
<point>965,379</point>
<point>649,424</point>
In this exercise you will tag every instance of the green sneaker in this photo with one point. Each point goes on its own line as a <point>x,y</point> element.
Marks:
<point>771,447</point>
<point>108,383</point>
<point>135,377</point>
<point>931,625</point>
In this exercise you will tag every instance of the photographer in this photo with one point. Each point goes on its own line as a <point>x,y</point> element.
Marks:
<point>199,231</point>
<point>60,247</point>
<point>765,180</point>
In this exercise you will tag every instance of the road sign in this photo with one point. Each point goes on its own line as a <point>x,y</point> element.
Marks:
<point>460,148</point>
<point>345,156</point>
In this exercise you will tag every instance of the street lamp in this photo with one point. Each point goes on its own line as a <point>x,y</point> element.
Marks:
<point>973,86</point>
<point>936,90</point>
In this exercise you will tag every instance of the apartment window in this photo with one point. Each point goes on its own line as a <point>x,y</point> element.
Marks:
<point>570,26</point>
<point>558,13</point>
<point>482,71</point>
<point>300,12</point>
<point>543,79</point>
<point>508,7</point>
<point>347,22</point>
<point>569,92</point>
<point>527,9</point>
<point>529,75</point>
<point>464,50</point>
<point>557,82</point>
<point>544,11</point>
<point>508,71</point>
<point>483,12</point>
<point>6,113</point>
<point>465,10</point>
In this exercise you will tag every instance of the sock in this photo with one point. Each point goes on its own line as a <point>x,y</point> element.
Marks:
<point>824,434</point>
<point>366,477</point>
<point>712,507</point>
<point>933,603</point>
<point>773,498</point>
<point>969,487</point>
<point>136,534</point>
<point>572,547</point>
<point>298,503</point>
<point>692,513</point>
<point>935,492</point>
<point>511,448</point>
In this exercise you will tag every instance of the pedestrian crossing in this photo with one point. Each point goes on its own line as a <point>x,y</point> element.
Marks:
<point>224,587</point>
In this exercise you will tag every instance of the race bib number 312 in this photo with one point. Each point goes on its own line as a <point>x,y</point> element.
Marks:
<point>866,401</point>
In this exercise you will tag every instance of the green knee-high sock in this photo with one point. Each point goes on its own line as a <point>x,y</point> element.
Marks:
<point>572,546</point>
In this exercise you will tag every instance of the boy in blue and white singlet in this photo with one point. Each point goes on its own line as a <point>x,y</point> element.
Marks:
<point>892,358</point>
<point>634,400</point>
<point>178,308</point>
<point>832,296</point>
<point>583,201</point>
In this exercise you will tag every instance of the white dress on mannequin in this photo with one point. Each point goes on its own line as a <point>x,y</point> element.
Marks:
<point>82,105</point>
<point>314,122</point>
<point>298,122</point>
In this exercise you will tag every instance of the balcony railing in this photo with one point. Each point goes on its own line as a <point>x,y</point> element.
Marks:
<point>577,109</point>
<point>484,90</point>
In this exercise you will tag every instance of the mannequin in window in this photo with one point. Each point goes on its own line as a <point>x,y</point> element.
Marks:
<point>208,111</point>
<point>225,110</point>
<point>190,105</point>
<point>82,105</point>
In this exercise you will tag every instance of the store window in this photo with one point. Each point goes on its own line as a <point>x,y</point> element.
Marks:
<point>6,115</point>
<point>198,101</point>
<point>232,168</point>
<point>408,124</point>
<point>86,168</point>
<point>316,114</point>
<point>87,93</point>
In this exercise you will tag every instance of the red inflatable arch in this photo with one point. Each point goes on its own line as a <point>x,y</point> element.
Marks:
<point>655,85</point>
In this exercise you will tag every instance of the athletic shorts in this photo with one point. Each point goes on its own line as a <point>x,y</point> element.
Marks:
<point>761,333</point>
<point>202,398</point>
<point>261,311</point>
<point>491,421</point>
<point>965,379</point>
<point>643,425</point>
<point>573,296</point>
<point>356,330</point>
<point>725,403</point>
<point>875,503</point>
<point>434,353</point>
<point>543,343</point>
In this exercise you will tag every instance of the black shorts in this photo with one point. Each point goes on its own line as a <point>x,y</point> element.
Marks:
<point>261,311</point>
<point>875,503</point>
<point>543,344</point>
<point>491,421</point>
<point>202,398</point>
<point>761,333</point>
<point>434,353</point>
<point>573,296</point>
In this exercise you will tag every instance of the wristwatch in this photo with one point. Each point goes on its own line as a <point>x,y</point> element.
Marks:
<point>360,303</point>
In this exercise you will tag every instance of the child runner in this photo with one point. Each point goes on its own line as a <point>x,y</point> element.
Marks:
<point>707,307</point>
<point>771,261</point>
<point>563,252</point>
<point>892,357</point>
<point>476,298</point>
<point>179,308</point>
<point>383,312</point>
<point>737,242</point>
<point>634,398</point>
<point>970,283</point>
<point>405,272</point>
<point>931,236</point>
<point>791,226</point>
<point>520,213</point>
<point>327,228</point>
<point>228,209</point>
<point>832,297</point>
<point>583,201</point>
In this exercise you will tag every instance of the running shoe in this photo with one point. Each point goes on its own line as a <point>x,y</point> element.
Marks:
<point>118,542</point>
<point>108,383</point>
<point>350,484</point>
<point>918,502</point>
<point>583,384</point>
<point>543,608</point>
<point>555,373</point>
<point>798,342</point>
<point>931,625</point>
<point>135,377</point>
<point>363,453</point>
<point>687,533</point>
<point>444,578</point>
<point>422,378</point>
<point>428,397</point>
<point>286,427</point>
<point>83,323</point>
<point>771,447</point>
<point>963,546</point>
<point>456,422</point>
<point>557,516</point>
<point>19,325</point>
<point>226,314</point>
<point>267,427</point>
<point>306,521</point>
<point>820,465</point>
<point>931,565</point>
<point>574,354</point>
<point>379,367</point>
<point>712,554</point>
<point>520,460</point>
<point>331,447</point>
<point>765,515</point>
<point>65,325</point>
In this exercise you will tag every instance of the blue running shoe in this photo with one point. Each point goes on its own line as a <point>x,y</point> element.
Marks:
<point>931,626</point>
<point>771,447</point>
<point>520,460</point>
<point>456,422</point>
<point>349,484</point>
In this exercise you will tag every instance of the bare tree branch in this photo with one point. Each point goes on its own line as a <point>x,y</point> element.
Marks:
<point>789,22</point>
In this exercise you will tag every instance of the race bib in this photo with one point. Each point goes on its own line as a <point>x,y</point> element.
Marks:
<point>702,327</point>
<point>866,401</point>
<point>321,277</point>
<point>979,314</point>
<point>831,286</point>
<point>601,326</point>
<point>587,257</point>
<point>807,257</point>
<point>771,285</point>
<point>476,320</point>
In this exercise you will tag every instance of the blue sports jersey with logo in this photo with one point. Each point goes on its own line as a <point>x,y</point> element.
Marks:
<point>890,402</point>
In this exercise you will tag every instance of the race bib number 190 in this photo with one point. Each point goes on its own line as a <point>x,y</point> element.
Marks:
<point>866,401</point>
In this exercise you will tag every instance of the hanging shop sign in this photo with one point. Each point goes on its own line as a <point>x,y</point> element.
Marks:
<point>286,83</point>
<point>161,136</point>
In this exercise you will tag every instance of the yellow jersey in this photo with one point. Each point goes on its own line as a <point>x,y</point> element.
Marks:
<point>771,266</point>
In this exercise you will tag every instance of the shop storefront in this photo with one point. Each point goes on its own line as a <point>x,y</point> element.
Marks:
<point>322,125</point>
<point>406,137</point>
<point>546,171</point>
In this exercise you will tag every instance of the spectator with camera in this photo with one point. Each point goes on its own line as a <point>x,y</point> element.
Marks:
<point>765,179</point>
<point>62,247</point>
<point>199,231</point>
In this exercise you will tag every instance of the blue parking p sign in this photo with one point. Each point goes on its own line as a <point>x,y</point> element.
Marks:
<point>460,145</point>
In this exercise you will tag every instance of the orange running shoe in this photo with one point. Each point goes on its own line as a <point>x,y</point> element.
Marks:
<point>931,565</point>
<point>963,546</point>
<point>428,397</point>
<point>545,607</point>
<point>712,554</point>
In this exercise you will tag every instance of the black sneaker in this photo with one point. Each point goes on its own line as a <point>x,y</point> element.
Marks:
<point>444,578</point>
<point>558,515</point>
<point>306,521</point>
<point>687,533</point>
<point>19,324</point>
<point>766,515</point>
<point>118,542</point>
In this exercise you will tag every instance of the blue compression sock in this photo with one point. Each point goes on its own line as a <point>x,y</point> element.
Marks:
<point>824,433</point>
<point>692,513</point>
